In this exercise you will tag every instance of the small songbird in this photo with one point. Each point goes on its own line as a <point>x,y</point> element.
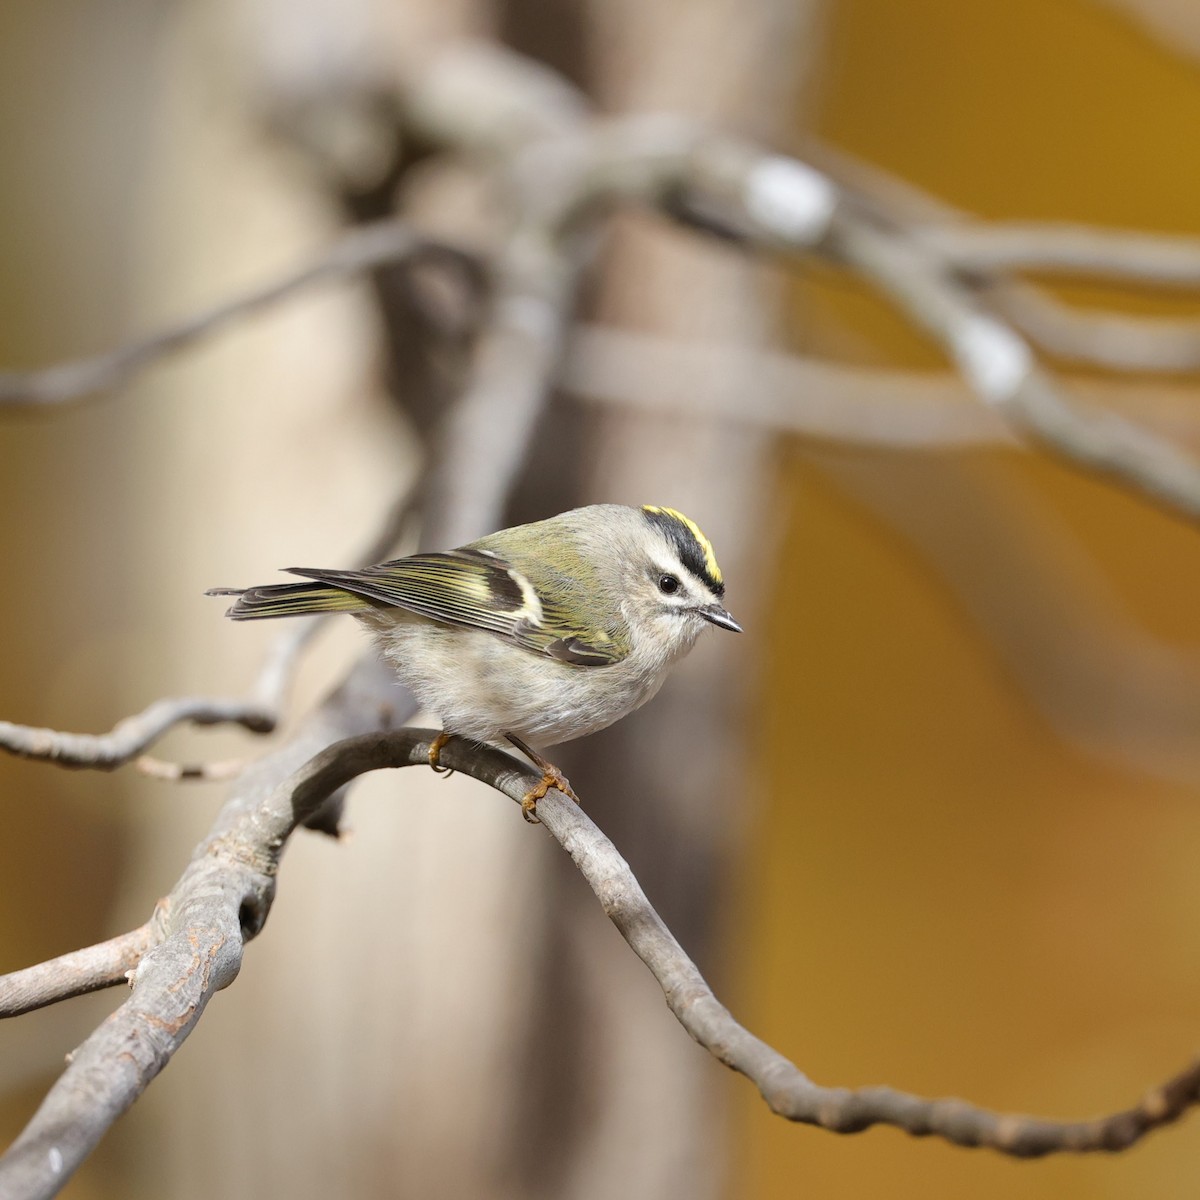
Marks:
<point>537,634</point>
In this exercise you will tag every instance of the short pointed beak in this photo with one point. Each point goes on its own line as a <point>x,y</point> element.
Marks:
<point>719,616</point>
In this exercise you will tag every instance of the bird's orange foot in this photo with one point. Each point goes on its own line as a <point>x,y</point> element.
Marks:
<point>435,751</point>
<point>552,777</point>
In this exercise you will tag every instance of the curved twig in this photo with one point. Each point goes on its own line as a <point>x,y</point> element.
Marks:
<point>364,249</point>
<point>261,713</point>
<point>222,901</point>
<point>131,736</point>
<point>785,1088</point>
<point>1002,371</point>
<point>983,253</point>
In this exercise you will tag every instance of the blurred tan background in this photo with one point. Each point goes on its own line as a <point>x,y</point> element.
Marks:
<point>968,821</point>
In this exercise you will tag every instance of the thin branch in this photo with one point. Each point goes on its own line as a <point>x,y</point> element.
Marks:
<point>994,247</point>
<point>482,442</point>
<point>979,253</point>
<point>1001,369</point>
<point>76,973</point>
<point>130,737</point>
<point>1116,341</point>
<point>792,394</point>
<point>364,249</point>
<point>261,713</point>
<point>786,204</point>
<point>484,438</point>
<point>1063,247</point>
<point>811,397</point>
<point>222,901</point>
<point>785,1088</point>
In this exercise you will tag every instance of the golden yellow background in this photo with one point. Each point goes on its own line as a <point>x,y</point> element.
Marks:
<point>942,895</point>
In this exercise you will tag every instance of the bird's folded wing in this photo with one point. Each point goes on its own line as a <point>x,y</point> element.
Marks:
<point>477,589</point>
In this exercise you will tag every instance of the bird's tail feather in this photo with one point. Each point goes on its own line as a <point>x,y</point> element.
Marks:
<point>289,600</point>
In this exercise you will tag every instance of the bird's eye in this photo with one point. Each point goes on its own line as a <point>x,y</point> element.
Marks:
<point>668,584</point>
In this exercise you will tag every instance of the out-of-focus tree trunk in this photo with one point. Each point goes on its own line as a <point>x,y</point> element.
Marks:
<point>439,1008</point>
<point>646,1116</point>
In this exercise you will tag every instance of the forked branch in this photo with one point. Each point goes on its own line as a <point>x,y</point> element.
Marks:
<point>194,947</point>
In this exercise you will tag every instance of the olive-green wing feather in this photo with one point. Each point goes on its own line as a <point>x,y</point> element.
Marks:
<point>468,587</point>
<point>289,600</point>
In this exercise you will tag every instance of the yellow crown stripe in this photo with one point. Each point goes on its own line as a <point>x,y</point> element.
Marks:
<point>710,556</point>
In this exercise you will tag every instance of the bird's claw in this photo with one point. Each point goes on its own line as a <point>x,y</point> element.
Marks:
<point>435,751</point>
<point>552,777</point>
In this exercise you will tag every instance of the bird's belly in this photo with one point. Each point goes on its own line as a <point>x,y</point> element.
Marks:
<point>482,687</point>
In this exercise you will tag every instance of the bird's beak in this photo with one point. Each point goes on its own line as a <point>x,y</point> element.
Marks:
<point>717,615</point>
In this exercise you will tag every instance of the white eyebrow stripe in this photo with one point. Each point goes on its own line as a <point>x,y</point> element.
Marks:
<point>683,572</point>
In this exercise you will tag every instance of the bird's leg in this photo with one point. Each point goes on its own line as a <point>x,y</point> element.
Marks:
<point>552,777</point>
<point>435,750</point>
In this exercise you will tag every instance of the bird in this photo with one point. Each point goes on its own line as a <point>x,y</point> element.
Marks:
<point>536,634</point>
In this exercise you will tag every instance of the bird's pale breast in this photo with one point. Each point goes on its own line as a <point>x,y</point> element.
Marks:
<point>483,687</point>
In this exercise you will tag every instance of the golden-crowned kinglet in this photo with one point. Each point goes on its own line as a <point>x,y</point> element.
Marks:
<point>539,633</point>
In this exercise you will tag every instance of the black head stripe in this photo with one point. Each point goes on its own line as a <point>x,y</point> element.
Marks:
<point>694,549</point>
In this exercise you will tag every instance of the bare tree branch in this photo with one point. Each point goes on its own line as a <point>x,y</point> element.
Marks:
<point>73,974</point>
<point>982,253</point>
<point>785,1088</point>
<point>261,713</point>
<point>790,394</point>
<point>1062,247</point>
<point>778,202</point>
<point>484,438</point>
<point>223,898</point>
<point>554,183</point>
<point>362,250</point>
<point>1002,371</point>
<point>786,204</point>
<point>219,903</point>
<point>796,394</point>
<point>1116,341</point>
<point>128,738</point>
